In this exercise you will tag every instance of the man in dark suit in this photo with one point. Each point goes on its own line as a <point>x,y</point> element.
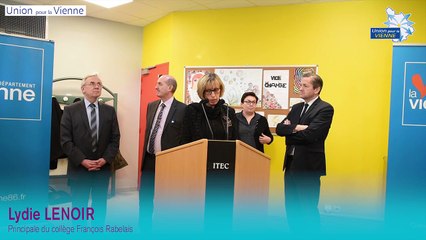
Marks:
<point>90,137</point>
<point>163,131</point>
<point>305,128</point>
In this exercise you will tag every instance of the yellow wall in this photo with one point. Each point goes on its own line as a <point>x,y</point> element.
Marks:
<point>355,69</point>
<point>156,47</point>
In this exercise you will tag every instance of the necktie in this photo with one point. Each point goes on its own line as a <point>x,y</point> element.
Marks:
<point>305,107</point>
<point>155,130</point>
<point>93,127</point>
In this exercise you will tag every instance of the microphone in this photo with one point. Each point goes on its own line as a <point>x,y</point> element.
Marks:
<point>227,120</point>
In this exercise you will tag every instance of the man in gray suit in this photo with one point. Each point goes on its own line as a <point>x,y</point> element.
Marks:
<point>164,122</point>
<point>90,137</point>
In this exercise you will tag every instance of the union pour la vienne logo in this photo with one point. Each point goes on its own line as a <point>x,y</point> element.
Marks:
<point>400,21</point>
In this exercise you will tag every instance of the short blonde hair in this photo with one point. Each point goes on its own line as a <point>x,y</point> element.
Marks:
<point>209,79</point>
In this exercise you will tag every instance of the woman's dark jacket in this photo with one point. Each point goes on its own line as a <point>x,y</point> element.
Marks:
<point>261,127</point>
<point>196,126</point>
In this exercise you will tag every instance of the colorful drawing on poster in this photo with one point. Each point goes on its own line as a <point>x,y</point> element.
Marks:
<point>274,119</point>
<point>239,81</point>
<point>275,89</point>
<point>270,101</point>
<point>192,78</point>
<point>298,74</point>
<point>274,85</point>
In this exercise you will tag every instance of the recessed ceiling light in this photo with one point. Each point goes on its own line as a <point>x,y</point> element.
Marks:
<point>109,3</point>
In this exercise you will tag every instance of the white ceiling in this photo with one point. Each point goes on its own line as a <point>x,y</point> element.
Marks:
<point>143,12</point>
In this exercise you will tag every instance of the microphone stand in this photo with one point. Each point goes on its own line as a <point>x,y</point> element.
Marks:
<point>227,119</point>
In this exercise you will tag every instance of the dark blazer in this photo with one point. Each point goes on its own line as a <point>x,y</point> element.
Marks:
<point>172,131</point>
<point>196,126</point>
<point>55,137</point>
<point>309,153</point>
<point>261,127</point>
<point>76,139</point>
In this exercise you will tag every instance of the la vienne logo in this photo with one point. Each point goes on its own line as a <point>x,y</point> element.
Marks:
<point>21,84</point>
<point>398,27</point>
<point>416,101</point>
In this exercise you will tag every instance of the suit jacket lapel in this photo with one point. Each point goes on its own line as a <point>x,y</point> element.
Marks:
<point>171,113</point>
<point>151,113</point>
<point>101,112</point>
<point>83,114</point>
<point>311,108</point>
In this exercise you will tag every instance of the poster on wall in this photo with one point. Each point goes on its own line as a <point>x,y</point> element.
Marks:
<point>191,80</point>
<point>278,87</point>
<point>239,81</point>
<point>406,166</point>
<point>26,70</point>
<point>275,88</point>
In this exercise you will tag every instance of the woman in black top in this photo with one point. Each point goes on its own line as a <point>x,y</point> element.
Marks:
<point>211,118</point>
<point>253,127</point>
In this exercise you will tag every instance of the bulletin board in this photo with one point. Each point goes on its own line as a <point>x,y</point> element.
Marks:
<point>276,86</point>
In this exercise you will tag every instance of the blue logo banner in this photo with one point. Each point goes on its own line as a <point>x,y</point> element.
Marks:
<point>26,72</point>
<point>21,88</point>
<point>406,167</point>
<point>385,33</point>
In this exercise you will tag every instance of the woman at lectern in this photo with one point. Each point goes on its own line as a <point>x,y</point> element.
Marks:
<point>211,118</point>
<point>253,127</point>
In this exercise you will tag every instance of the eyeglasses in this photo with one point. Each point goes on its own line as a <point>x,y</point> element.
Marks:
<point>93,84</point>
<point>211,91</point>
<point>250,102</point>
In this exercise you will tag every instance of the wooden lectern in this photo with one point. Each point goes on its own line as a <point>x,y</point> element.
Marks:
<point>182,174</point>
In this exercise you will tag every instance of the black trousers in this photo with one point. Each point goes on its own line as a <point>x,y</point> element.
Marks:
<point>302,192</point>
<point>146,196</point>
<point>94,185</point>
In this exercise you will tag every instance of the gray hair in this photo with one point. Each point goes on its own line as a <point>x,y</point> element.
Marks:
<point>83,81</point>
<point>171,81</point>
